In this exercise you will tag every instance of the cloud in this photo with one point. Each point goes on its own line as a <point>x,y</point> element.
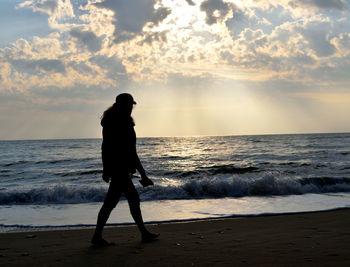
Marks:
<point>154,37</point>
<point>113,68</point>
<point>87,39</point>
<point>300,49</point>
<point>340,5</point>
<point>332,98</point>
<point>61,12</point>
<point>45,62</point>
<point>39,66</point>
<point>216,10</point>
<point>159,15</point>
<point>190,2</point>
<point>109,63</point>
<point>5,80</point>
<point>150,39</point>
<point>57,8</point>
<point>38,48</point>
<point>318,40</point>
<point>45,6</point>
<point>342,43</point>
<point>130,17</point>
<point>185,56</point>
<point>294,8</point>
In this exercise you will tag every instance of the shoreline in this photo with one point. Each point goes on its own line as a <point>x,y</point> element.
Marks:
<point>301,239</point>
<point>41,228</point>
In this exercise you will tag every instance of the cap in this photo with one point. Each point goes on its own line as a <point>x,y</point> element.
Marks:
<point>125,98</point>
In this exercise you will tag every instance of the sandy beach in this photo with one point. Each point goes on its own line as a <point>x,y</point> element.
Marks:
<point>307,239</point>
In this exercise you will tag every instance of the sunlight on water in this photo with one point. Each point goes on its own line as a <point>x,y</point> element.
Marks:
<point>187,171</point>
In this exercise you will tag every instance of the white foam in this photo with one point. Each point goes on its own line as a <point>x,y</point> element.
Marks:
<point>22,217</point>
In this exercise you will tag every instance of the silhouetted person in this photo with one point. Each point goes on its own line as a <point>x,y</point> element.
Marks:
<point>120,161</point>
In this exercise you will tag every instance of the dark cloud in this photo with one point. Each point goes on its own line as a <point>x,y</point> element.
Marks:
<point>40,65</point>
<point>337,72</point>
<point>159,15</point>
<point>212,6</point>
<point>87,39</point>
<point>190,2</point>
<point>131,16</point>
<point>320,44</point>
<point>113,64</point>
<point>239,22</point>
<point>317,37</point>
<point>47,5</point>
<point>157,36</point>
<point>81,67</point>
<point>227,57</point>
<point>321,4</point>
<point>114,68</point>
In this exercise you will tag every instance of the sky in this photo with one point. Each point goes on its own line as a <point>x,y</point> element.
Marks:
<point>194,67</point>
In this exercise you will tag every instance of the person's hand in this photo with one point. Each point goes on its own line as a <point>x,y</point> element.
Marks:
<point>145,181</point>
<point>106,177</point>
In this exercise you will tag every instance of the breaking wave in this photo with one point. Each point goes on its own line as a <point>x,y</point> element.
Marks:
<point>236,186</point>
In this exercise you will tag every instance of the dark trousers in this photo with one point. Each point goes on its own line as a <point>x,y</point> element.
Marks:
<point>119,185</point>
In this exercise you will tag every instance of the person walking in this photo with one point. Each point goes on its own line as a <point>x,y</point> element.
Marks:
<point>120,162</point>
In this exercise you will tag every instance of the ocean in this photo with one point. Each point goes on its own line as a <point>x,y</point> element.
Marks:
<point>57,183</point>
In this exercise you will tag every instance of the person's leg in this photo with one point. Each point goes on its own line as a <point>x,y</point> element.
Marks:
<point>111,200</point>
<point>134,205</point>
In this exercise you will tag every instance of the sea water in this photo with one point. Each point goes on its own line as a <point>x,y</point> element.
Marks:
<point>57,183</point>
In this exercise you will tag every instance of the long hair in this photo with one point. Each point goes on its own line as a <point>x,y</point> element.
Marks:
<point>108,112</point>
<point>117,111</point>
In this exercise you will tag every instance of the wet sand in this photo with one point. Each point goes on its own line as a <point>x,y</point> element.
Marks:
<point>305,239</point>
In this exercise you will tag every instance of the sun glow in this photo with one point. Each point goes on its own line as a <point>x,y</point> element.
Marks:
<point>182,15</point>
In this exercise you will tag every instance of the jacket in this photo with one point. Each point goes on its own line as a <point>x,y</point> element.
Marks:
<point>118,146</point>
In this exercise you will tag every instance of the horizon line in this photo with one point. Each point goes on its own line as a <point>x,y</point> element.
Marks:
<point>179,136</point>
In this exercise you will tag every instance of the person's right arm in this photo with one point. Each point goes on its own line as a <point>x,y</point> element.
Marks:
<point>145,181</point>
